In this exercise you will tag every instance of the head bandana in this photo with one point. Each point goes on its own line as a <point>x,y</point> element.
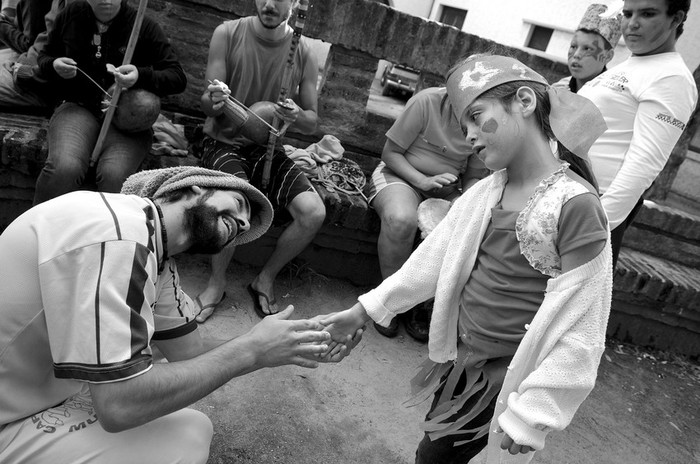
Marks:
<point>155,183</point>
<point>575,120</point>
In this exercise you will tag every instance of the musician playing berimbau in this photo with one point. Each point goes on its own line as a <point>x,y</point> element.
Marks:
<point>257,59</point>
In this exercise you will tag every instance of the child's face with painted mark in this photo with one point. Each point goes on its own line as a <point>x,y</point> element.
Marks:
<point>491,130</point>
<point>587,55</point>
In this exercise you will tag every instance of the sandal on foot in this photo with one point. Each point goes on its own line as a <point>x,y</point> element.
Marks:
<point>206,310</point>
<point>255,295</point>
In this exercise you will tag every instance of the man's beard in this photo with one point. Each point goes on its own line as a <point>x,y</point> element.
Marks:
<point>202,222</point>
<point>266,26</point>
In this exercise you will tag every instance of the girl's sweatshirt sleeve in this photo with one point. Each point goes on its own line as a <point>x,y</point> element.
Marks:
<point>565,373</point>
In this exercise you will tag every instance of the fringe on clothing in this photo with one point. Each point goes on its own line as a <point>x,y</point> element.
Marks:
<point>484,366</point>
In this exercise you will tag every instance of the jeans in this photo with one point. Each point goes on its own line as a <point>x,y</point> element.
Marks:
<point>73,132</point>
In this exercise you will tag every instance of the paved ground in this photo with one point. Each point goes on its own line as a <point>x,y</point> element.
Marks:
<point>645,408</point>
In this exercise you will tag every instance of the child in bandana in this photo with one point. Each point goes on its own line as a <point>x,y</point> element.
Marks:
<point>520,269</point>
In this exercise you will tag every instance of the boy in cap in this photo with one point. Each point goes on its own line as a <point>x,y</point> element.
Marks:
<point>592,47</point>
<point>88,287</point>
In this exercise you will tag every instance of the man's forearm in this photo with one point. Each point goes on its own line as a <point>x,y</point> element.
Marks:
<point>306,122</point>
<point>169,387</point>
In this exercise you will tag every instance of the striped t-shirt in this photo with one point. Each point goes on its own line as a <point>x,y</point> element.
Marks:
<point>83,291</point>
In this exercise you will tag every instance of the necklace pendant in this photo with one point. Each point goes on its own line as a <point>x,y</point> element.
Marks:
<point>98,55</point>
<point>97,40</point>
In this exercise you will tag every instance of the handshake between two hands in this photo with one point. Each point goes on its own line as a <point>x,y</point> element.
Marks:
<point>330,337</point>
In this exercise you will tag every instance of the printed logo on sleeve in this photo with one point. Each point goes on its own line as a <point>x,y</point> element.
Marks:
<point>671,120</point>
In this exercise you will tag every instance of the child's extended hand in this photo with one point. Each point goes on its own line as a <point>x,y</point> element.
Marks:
<point>65,67</point>
<point>337,351</point>
<point>511,446</point>
<point>343,325</point>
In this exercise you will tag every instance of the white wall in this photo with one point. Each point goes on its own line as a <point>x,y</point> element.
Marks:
<point>419,8</point>
<point>509,22</point>
<point>688,44</point>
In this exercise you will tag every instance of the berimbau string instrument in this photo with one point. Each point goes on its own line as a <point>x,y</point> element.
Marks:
<point>131,45</point>
<point>258,129</point>
<point>284,91</point>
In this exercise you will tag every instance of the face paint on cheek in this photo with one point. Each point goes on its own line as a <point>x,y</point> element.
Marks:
<point>490,126</point>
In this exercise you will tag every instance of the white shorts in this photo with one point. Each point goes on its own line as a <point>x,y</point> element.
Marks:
<point>70,434</point>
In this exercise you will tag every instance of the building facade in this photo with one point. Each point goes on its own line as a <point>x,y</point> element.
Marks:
<point>541,27</point>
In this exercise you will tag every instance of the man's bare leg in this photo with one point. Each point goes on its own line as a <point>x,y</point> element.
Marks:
<point>308,212</point>
<point>216,285</point>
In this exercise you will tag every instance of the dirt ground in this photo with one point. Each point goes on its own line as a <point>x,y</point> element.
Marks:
<point>645,408</point>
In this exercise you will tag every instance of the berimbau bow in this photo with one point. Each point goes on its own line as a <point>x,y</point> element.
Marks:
<point>107,121</point>
<point>284,90</point>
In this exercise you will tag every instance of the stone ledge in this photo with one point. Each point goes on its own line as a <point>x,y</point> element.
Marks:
<point>656,303</point>
<point>667,233</point>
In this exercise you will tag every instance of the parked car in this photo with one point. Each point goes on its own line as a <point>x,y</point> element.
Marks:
<point>399,80</point>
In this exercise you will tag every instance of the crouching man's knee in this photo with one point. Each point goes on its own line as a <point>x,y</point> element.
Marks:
<point>190,434</point>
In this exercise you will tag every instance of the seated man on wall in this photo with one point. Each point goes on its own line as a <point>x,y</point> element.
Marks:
<point>87,38</point>
<point>247,60</point>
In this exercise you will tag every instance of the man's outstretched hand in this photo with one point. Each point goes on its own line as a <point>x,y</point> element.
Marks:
<point>277,340</point>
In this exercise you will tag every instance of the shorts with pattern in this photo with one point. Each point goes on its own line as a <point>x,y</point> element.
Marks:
<point>286,179</point>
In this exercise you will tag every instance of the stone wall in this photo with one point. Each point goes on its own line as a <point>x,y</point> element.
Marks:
<point>360,33</point>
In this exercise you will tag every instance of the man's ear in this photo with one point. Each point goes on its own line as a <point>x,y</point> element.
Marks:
<point>678,18</point>
<point>526,99</point>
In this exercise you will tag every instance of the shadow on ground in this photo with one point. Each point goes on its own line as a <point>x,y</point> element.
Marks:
<point>645,408</point>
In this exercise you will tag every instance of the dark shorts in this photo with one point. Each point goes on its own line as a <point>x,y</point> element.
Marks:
<point>286,179</point>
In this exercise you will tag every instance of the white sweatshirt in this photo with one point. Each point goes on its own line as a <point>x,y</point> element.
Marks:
<point>646,102</point>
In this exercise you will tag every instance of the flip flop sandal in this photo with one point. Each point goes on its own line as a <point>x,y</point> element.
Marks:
<point>205,311</point>
<point>255,295</point>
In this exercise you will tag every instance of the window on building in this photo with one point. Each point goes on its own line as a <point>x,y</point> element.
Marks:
<point>539,37</point>
<point>453,16</point>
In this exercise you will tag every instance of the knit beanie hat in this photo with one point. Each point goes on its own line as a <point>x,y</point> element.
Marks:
<point>155,183</point>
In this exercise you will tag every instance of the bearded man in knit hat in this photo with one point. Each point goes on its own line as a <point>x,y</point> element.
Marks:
<point>88,286</point>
